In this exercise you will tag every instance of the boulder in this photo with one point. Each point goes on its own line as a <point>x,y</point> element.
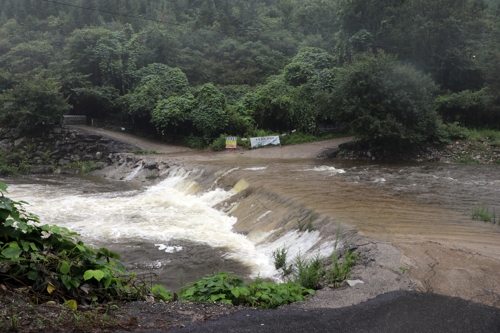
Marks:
<point>5,145</point>
<point>19,141</point>
<point>41,169</point>
<point>150,165</point>
<point>70,171</point>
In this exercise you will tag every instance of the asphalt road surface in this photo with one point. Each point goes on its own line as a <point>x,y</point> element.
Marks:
<point>400,311</point>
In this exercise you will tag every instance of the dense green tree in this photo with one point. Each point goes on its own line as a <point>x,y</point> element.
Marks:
<point>307,65</point>
<point>27,56</point>
<point>32,102</point>
<point>172,114</point>
<point>384,102</point>
<point>156,83</point>
<point>209,114</point>
<point>437,36</point>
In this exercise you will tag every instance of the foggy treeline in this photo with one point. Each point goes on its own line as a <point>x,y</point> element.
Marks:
<point>209,67</point>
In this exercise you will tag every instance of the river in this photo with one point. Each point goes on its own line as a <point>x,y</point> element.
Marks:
<point>231,214</point>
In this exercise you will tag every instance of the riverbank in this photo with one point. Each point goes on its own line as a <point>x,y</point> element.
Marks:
<point>471,151</point>
<point>383,266</point>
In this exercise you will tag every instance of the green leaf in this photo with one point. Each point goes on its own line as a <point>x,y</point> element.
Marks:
<point>3,187</point>
<point>96,274</point>
<point>80,248</point>
<point>66,280</point>
<point>75,282</point>
<point>32,275</point>
<point>235,292</point>
<point>89,274</point>
<point>107,280</point>
<point>65,268</point>
<point>8,222</point>
<point>12,253</point>
<point>25,245</point>
<point>14,245</point>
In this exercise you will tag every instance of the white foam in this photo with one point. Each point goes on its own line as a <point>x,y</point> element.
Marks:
<point>329,169</point>
<point>169,249</point>
<point>256,168</point>
<point>159,214</point>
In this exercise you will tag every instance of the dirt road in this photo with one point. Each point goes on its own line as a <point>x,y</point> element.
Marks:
<point>307,150</point>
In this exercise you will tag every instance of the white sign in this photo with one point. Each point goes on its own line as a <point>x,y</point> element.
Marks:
<point>264,141</point>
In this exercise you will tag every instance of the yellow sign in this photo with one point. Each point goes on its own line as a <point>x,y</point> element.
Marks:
<point>231,142</point>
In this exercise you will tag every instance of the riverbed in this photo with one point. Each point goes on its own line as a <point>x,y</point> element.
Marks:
<point>229,214</point>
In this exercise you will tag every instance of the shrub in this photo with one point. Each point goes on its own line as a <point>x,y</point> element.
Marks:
<point>482,213</point>
<point>308,272</point>
<point>452,131</point>
<point>228,288</point>
<point>219,144</point>
<point>338,273</point>
<point>384,102</point>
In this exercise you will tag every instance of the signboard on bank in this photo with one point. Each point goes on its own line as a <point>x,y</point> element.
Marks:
<point>231,142</point>
<point>264,141</point>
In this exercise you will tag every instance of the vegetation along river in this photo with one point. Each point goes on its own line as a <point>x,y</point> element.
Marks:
<point>230,214</point>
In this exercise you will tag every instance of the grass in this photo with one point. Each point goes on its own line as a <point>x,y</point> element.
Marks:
<point>482,213</point>
<point>339,271</point>
<point>483,134</point>
<point>309,224</point>
<point>309,272</point>
<point>465,159</point>
<point>279,256</point>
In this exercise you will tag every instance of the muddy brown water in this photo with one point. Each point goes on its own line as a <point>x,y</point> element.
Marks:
<point>423,209</point>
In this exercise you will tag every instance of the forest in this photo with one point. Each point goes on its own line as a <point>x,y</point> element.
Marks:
<point>392,72</point>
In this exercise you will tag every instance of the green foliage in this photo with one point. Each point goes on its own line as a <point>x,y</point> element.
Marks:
<point>279,256</point>
<point>27,56</point>
<point>219,144</point>
<point>31,103</point>
<point>308,272</point>
<point>14,163</point>
<point>439,36</point>
<point>452,131</point>
<point>384,102</point>
<point>172,112</point>
<point>209,114</point>
<point>482,213</point>
<point>307,65</point>
<point>278,61</point>
<point>228,288</point>
<point>157,82</point>
<point>465,158</point>
<point>338,273</point>
<point>470,108</point>
<point>195,142</point>
<point>55,264</point>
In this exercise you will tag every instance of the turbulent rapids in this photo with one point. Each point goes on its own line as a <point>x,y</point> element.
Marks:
<point>231,214</point>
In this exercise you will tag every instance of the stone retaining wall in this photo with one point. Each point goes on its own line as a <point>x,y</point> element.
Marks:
<point>57,147</point>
